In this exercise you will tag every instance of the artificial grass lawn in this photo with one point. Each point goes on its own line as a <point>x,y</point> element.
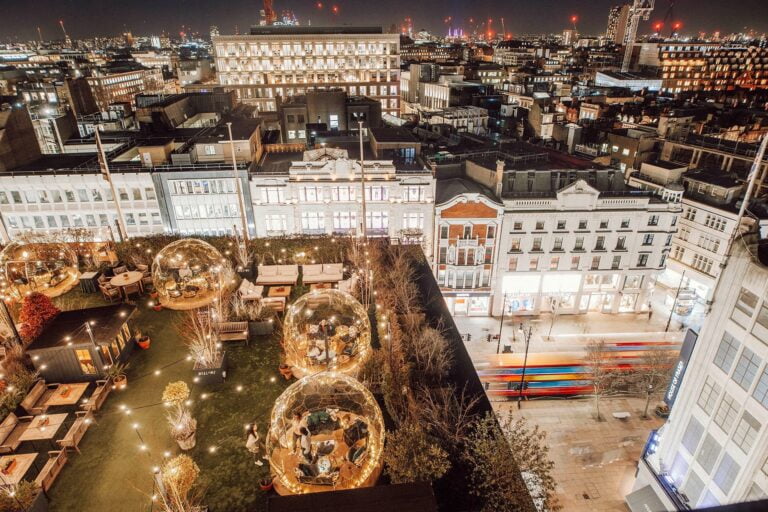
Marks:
<point>114,475</point>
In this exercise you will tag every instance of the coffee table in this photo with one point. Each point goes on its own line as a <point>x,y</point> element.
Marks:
<point>23,463</point>
<point>279,291</point>
<point>43,427</point>
<point>127,278</point>
<point>67,394</point>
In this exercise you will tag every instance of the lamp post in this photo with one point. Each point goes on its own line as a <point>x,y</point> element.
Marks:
<point>240,197</point>
<point>363,230</point>
<point>527,336</point>
<point>674,303</point>
<point>501,323</point>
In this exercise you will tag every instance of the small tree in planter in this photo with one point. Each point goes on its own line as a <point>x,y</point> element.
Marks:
<point>261,319</point>
<point>411,455</point>
<point>183,425</point>
<point>176,479</point>
<point>37,311</point>
<point>20,497</point>
<point>116,373</point>
<point>200,331</point>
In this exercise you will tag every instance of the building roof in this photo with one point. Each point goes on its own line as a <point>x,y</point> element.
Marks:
<point>107,322</point>
<point>392,134</point>
<point>53,164</point>
<point>447,189</point>
<point>273,30</point>
<point>717,178</point>
<point>415,497</point>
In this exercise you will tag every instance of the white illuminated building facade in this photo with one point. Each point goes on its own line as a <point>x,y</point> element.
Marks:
<point>319,192</point>
<point>286,61</point>
<point>577,249</point>
<point>43,201</point>
<point>713,449</point>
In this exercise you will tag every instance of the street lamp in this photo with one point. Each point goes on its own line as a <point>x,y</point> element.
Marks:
<point>674,303</point>
<point>527,336</point>
<point>501,324</point>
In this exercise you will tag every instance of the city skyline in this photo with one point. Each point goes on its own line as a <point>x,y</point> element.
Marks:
<point>87,18</point>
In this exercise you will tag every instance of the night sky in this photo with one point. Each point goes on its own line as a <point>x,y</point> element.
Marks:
<point>84,18</point>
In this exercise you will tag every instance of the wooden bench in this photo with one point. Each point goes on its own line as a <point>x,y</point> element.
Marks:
<point>10,431</point>
<point>96,400</point>
<point>233,331</point>
<point>51,470</point>
<point>77,431</point>
<point>35,401</point>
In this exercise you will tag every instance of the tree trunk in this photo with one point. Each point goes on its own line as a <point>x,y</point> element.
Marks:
<point>597,405</point>
<point>647,403</point>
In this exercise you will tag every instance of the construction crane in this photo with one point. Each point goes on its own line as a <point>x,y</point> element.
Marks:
<point>67,40</point>
<point>269,13</point>
<point>640,9</point>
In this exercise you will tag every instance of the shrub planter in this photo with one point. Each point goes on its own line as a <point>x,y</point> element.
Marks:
<point>187,442</point>
<point>215,374</point>
<point>157,307</point>
<point>262,328</point>
<point>143,342</point>
<point>120,382</point>
<point>266,484</point>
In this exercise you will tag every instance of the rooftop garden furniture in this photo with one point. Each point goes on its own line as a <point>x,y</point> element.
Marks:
<point>37,397</point>
<point>11,429</point>
<point>233,331</point>
<point>100,394</point>
<point>76,432</point>
<point>278,274</point>
<point>250,291</point>
<point>53,466</point>
<point>325,273</point>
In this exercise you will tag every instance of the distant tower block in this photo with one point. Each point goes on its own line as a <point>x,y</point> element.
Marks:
<point>641,9</point>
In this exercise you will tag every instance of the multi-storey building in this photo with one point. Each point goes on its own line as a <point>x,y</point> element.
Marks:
<point>123,86</point>
<point>711,67</point>
<point>516,53</point>
<point>618,18</point>
<point>320,191</point>
<point>284,61</point>
<point>713,448</point>
<point>431,52</point>
<point>468,219</point>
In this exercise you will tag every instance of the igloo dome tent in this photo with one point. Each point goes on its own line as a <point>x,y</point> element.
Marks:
<point>49,268</point>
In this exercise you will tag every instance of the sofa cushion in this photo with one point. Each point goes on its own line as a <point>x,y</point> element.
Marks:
<point>7,426</point>
<point>333,268</point>
<point>313,270</point>
<point>268,270</point>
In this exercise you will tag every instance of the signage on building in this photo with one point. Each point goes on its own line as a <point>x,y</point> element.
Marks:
<point>679,370</point>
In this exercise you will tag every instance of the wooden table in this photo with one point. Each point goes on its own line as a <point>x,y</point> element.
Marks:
<point>61,397</point>
<point>23,463</point>
<point>320,286</point>
<point>126,279</point>
<point>39,430</point>
<point>279,291</point>
<point>89,282</point>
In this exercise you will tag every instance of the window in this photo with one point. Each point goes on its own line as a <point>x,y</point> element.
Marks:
<point>726,473</point>
<point>554,263</point>
<point>64,221</point>
<point>595,263</point>
<point>575,262</point>
<point>579,245</point>
<point>653,220</point>
<point>276,223</point>
<point>690,214</point>
<point>56,195</point>
<point>149,193</point>
<point>273,195</point>
<point>600,243</point>
<point>130,220</point>
<point>624,223</point>
<point>536,244</point>
<point>90,220</point>
<point>376,193</point>
<point>414,194</point>
<point>518,226</point>
<point>96,194</point>
<point>413,220</point>
<point>209,149</point>
<point>726,413</point>
<point>82,195</point>
<point>443,232</point>
<point>310,194</point>
<point>512,267</point>
<point>30,196</point>
<point>746,368</point>
<point>3,198</point>
<point>442,254</point>
<point>692,435</point>
<point>621,243</point>
<point>558,245</point>
<point>708,395</point>
<point>515,245</point>
<point>539,225</point>
<point>603,224</point>
<point>582,224</point>
<point>491,232</point>
<point>761,390</point>
<point>533,263</point>
<point>345,221</point>
<point>708,453</point>
<point>86,361</point>
<point>16,196</point>
<point>746,432</point>
<point>156,220</point>
<point>291,134</point>
<point>488,257</point>
<point>648,239</point>
<point>377,220</point>
<point>642,260</point>
<point>312,221</point>
<point>726,352</point>
<point>39,222</point>
<point>123,193</point>
<point>51,221</point>
<point>561,224</point>
<point>616,263</point>
<point>746,302</point>
<point>334,122</point>
<point>343,193</point>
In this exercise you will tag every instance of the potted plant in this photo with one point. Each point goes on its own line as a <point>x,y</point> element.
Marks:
<point>116,373</point>
<point>26,496</point>
<point>143,341</point>
<point>202,338</point>
<point>261,319</point>
<point>266,484</point>
<point>183,425</point>
<point>176,479</point>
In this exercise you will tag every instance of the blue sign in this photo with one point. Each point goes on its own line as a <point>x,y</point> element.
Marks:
<point>679,371</point>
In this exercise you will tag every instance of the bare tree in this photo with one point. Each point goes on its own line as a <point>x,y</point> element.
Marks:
<point>600,373</point>
<point>200,332</point>
<point>447,413</point>
<point>430,353</point>
<point>651,377</point>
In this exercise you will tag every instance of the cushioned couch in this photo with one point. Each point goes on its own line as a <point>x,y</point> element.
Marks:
<point>325,273</point>
<point>278,274</point>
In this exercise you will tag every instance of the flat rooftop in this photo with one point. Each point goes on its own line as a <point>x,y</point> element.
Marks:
<point>274,30</point>
<point>390,134</point>
<point>105,322</point>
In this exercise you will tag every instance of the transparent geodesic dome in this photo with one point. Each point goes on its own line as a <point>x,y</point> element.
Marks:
<point>189,274</point>
<point>326,329</point>
<point>46,267</point>
<point>326,433</point>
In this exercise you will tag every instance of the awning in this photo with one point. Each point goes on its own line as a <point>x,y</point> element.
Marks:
<point>645,500</point>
